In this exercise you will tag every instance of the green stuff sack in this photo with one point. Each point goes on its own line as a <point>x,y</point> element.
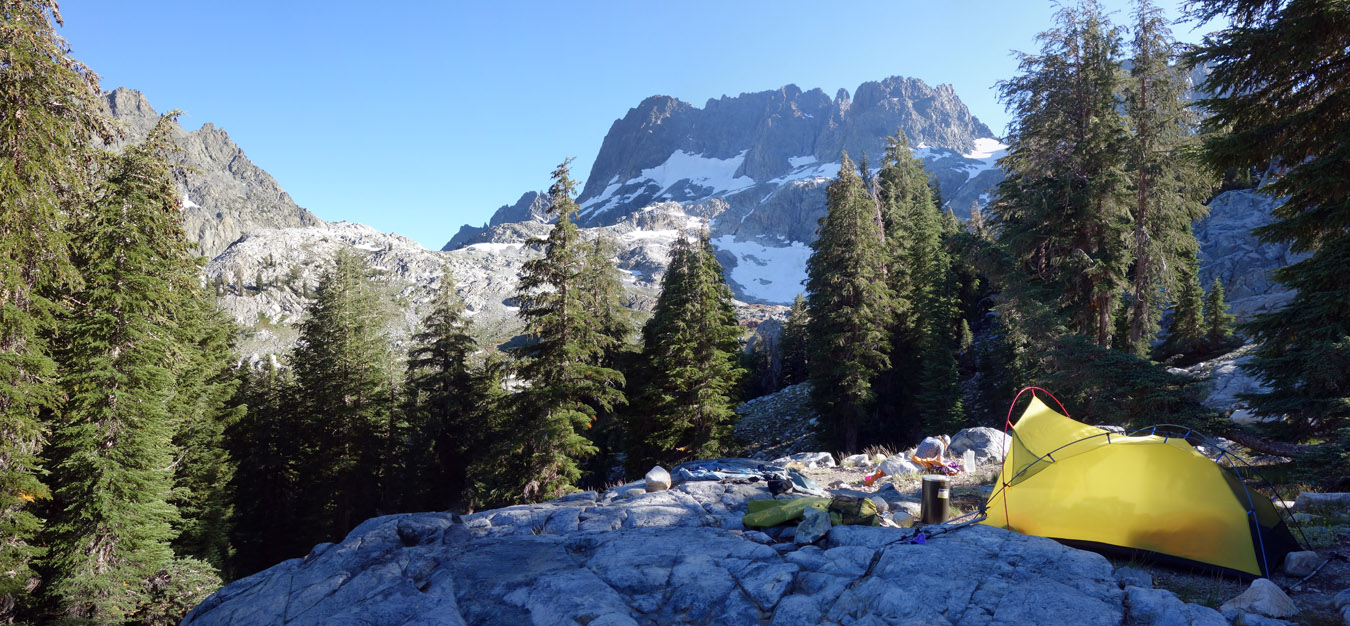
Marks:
<point>843,510</point>
<point>767,513</point>
<point>853,511</point>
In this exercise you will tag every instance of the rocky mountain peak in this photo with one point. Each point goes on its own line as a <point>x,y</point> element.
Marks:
<point>224,194</point>
<point>764,159</point>
<point>131,106</point>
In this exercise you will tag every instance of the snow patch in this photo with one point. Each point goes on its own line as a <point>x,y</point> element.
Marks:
<point>494,247</point>
<point>719,175</point>
<point>189,204</point>
<point>986,147</point>
<point>802,161</point>
<point>769,273</point>
<point>806,171</point>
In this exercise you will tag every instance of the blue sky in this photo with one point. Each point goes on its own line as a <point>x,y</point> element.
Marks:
<point>416,118</point>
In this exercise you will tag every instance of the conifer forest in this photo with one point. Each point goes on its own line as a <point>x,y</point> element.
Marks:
<point>143,463</point>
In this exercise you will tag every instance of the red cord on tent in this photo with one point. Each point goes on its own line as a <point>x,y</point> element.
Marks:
<point>1007,423</point>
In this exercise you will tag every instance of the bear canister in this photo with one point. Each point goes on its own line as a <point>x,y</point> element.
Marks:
<point>936,496</point>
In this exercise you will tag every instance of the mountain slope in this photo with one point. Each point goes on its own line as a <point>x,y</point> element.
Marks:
<point>763,161</point>
<point>224,194</point>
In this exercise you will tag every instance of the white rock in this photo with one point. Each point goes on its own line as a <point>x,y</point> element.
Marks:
<point>1248,417</point>
<point>898,465</point>
<point>1263,598</point>
<point>658,479</point>
<point>856,460</point>
<point>1300,564</point>
<point>821,459</point>
<point>988,444</point>
<point>1328,504</point>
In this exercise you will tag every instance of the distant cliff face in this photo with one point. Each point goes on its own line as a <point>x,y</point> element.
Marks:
<point>225,195</point>
<point>759,137</point>
<point>764,160</point>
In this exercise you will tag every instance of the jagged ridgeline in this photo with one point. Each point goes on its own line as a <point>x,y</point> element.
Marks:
<point>224,194</point>
<point>756,166</point>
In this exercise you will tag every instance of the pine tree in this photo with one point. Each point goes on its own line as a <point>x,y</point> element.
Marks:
<point>1218,322</point>
<point>446,428</point>
<point>1284,105</point>
<point>568,383</point>
<point>795,342</point>
<point>1062,208</point>
<point>270,445</point>
<point>691,348</point>
<point>925,380</point>
<point>602,294</point>
<point>50,119</point>
<point>1167,184</point>
<point>1186,333</point>
<point>112,522</point>
<point>204,402</point>
<point>939,399</point>
<point>342,368</point>
<point>850,309</point>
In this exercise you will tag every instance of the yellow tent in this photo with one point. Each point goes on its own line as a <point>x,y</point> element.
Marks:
<point>1085,485</point>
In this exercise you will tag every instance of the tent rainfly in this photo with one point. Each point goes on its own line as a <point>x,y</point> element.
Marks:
<point>1093,488</point>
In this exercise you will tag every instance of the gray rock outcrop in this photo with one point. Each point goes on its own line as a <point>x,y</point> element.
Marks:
<point>1262,598</point>
<point>224,194</point>
<point>988,444</point>
<point>531,207</point>
<point>1160,607</point>
<point>677,556</point>
<point>1229,252</point>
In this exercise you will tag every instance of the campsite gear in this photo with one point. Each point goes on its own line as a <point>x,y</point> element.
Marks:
<point>968,461</point>
<point>855,511</point>
<point>750,469</point>
<point>1334,556</point>
<point>842,509</point>
<point>921,535</point>
<point>767,513</point>
<point>1152,492</point>
<point>936,496</point>
<point>873,478</point>
<point>935,465</point>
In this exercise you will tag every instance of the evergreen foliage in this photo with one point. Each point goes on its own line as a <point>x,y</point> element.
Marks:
<point>343,371</point>
<point>205,403</point>
<point>563,366</point>
<point>1284,105</point>
<point>691,351</point>
<point>1218,321</point>
<point>111,521</point>
<point>849,302</point>
<point>794,343</point>
<point>1062,212</point>
<point>50,119</point>
<point>445,426</point>
<point>269,443</point>
<point>602,295</point>
<point>925,378</point>
<point>1120,388</point>
<point>1186,334</point>
<point>1166,181</point>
